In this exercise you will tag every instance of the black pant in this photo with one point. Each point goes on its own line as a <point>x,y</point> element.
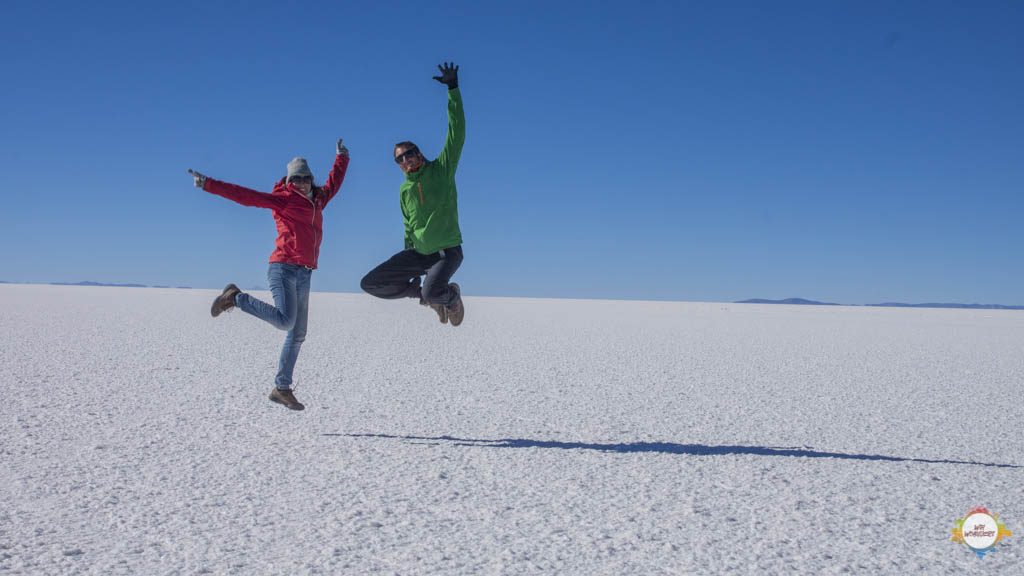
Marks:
<point>399,276</point>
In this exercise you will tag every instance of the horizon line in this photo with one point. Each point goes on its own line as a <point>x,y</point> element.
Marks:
<point>755,301</point>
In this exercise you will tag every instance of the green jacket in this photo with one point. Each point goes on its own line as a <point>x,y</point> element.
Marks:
<point>430,203</point>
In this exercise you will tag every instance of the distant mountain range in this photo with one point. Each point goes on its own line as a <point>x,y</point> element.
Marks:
<point>88,283</point>
<point>799,301</point>
<point>802,301</point>
<point>950,305</point>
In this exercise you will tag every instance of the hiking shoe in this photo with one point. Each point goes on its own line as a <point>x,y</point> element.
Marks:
<point>442,313</point>
<point>456,310</point>
<point>226,300</point>
<point>286,398</point>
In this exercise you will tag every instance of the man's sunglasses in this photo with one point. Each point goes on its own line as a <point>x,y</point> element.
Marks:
<point>300,179</point>
<point>408,154</point>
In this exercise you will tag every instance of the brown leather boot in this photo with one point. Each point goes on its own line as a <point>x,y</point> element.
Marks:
<point>226,300</point>
<point>286,398</point>
<point>456,310</point>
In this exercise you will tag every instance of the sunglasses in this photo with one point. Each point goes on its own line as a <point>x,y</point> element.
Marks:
<point>407,155</point>
<point>300,179</point>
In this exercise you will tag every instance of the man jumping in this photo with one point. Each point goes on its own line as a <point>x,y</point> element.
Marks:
<point>430,210</point>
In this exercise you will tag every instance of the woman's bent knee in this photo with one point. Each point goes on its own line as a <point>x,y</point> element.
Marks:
<point>286,323</point>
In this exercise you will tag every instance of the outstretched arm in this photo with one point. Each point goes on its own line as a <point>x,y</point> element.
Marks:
<point>337,175</point>
<point>240,194</point>
<point>456,137</point>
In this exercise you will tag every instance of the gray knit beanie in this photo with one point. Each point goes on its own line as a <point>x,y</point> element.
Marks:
<point>298,167</point>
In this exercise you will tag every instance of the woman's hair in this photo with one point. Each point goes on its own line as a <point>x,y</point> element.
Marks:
<point>313,188</point>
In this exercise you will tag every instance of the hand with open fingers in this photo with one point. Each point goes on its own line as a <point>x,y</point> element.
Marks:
<point>342,151</point>
<point>200,179</point>
<point>449,75</point>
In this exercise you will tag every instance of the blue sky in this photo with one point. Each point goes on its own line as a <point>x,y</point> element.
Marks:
<point>853,152</point>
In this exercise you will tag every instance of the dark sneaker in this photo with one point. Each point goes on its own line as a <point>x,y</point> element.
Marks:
<point>286,398</point>
<point>226,300</point>
<point>456,310</point>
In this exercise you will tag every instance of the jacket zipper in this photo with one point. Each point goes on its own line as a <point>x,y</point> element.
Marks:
<point>419,186</point>
<point>316,247</point>
<point>312,222</point>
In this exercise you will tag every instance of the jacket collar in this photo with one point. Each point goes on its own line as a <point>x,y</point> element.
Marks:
<point>283,188</point>
<point>414,176</point>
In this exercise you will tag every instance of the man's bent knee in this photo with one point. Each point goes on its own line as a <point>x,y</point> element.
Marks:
<point>368,285</point>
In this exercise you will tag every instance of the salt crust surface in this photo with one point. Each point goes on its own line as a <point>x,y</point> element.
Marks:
<point>542,436</point>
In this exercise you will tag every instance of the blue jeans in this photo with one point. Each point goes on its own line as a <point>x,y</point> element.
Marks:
<point>290,286</point>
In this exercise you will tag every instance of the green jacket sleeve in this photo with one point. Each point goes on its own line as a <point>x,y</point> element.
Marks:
<point>449,157</point>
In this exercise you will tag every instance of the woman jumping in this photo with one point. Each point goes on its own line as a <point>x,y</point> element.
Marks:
<point>297,204</point>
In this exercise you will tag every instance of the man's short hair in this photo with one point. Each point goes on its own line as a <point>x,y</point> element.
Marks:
<point>405,144</point>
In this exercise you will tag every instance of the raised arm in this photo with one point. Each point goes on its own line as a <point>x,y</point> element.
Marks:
<point>337,175</point>
<point>240,194</point>
<point>456,137</point>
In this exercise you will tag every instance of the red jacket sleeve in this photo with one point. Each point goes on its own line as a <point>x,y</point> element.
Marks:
<point>336,177</point>
<point>242,195</point>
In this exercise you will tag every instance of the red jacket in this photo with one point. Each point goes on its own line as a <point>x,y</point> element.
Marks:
<point>299,219</point>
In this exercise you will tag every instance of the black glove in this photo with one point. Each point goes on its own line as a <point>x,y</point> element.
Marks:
<point>449,75</point>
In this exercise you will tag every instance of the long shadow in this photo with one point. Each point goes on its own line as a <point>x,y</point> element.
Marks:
<point>669,448</point>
